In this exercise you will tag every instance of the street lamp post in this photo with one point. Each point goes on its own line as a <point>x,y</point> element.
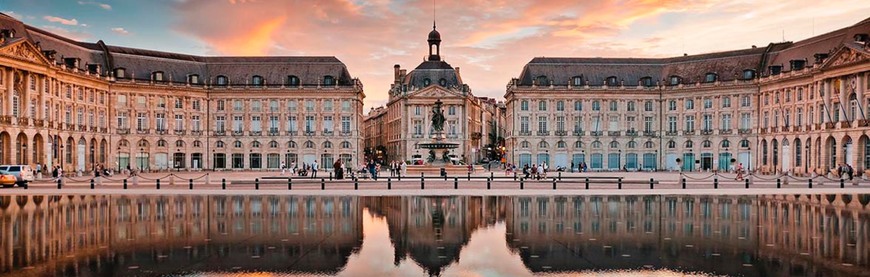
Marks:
<point>749,163</point>
<point>807,159</point>
<point>118,154</point>
<point>24,153</point>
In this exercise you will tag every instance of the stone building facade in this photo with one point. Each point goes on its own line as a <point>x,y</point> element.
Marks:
<point>406,121</point>
<point>79,104</point>
<point>700,112</point>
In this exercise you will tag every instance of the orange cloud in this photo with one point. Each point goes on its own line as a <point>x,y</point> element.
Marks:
<point>254,43</point>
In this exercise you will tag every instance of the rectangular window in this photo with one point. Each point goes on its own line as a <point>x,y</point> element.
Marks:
<point>629,123</point>
<point>122,120</point>
<point>161,102</point>
<point>220,123</point>
<point>197,105</point>
<point>672,105</point>
<point>220,105</point>
<point>309,105</point>
<point>799,117</point>
<point>560,123</point>
<point>273,123</point>
<point>708,103</point>
<point>613,125</point>
<point>745,121</point>
<point>524,124</point>
<point>690,104</point>
<point>648,124</point>
<point>256,123</point>
<point>708,122</point>
<point>327,105</point>
<point>418,127</point>
<point>122,100</point>
<point>672,124</point>
<point>256,106</point>
<point>690,123</point>
<point>345,124</point>
<point>141,121</point>
<point>196,123</point>
<point>578,123</point>
<point>291,124</point>
<point>179,103</point>
<point>578,105</point>
<point>237,123</point>
<point>418,110</point>
<point>648,106</point>
<point>161,121</point>
<point>273,106</point>
<point>726,102</point>
<point>309,123</point>
<point>524,105</point>
<point>725,124</point>
<point>451,127</point>
<point>291,105</point>
<point>179,122</point>
<point>745,101</point>
<point>451,110</point>
<point>140,101</point>
<point>327,123</point>
<point>345,106</point>
<point>542,124</point>
<point>237,105</point>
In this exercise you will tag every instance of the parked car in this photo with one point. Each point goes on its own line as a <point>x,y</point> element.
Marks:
<point>23,173</point>
<point>7,179</point>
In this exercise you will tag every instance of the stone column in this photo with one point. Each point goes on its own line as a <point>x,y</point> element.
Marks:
<point>10,88</point>
<point>826,113</point>
<point>844,100</point>
<point>40,109</point>
<point>859,93</point>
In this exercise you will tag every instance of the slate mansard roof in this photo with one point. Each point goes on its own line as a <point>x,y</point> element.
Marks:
<point>727,66</point>
<point>141,63</point>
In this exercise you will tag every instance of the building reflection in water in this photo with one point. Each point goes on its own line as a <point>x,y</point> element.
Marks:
<point>807,235</point>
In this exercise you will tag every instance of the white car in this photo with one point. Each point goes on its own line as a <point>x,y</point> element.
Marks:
<point>23,173</point>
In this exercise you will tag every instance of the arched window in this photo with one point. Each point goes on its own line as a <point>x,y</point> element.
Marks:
<point>345,145</point>
<point>561,144</point>
<point>706,144</point>
<point>764,152</point>
<point>726,143</point>
<point>309,144</point>
<point>237,144</point>
<point>614,106</point>
<point>560,105</point>
<point>179,143</point>
<point>524,105</point>
<point>748,74</point>
<point>632,145</point>
<point>542,81</point>
<point>578,144</point>
<point>219,144</point>
<point>649,145</point>
<point>257,81</point>
<point>197,143</point>
<point>161,143</point>
<point>122,143</point>
<point>291,144</point>
<point>630,106</point>
<point>328,80</point>
<point>711,77</point>
<point>426,82</point>
<point>689,144</point>
<point>596,106</point>
<point>255,144</point>
<point>543,144</point>
<point>542,105</point>
<point>744,143</point>
<point>675,80</point>
<point>611,81</point>
<point>578,105</point>
<point>614,144</point>
<point>672,144</point>
<point>293,81</point>
<point>442,82</point>
<point>273,144</point>
<point>525,145</point>
<point>327,144</point>
<point>222,81</point>
<point>193,79</point>
<point>596,144</point>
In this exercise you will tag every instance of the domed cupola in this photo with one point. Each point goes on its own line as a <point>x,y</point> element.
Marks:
<point>434,44</point>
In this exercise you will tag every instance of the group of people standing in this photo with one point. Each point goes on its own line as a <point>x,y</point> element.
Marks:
<point>538,171</point>
<point>303,171</point>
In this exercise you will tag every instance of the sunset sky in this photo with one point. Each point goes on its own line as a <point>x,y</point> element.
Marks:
<point>489,40</point>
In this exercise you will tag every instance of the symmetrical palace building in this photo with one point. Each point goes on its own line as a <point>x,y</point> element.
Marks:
<point>787,107</point>
<point>81,104</point>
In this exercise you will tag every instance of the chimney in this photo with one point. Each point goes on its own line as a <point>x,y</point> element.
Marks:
<point>820,57</point>
<point>861,38</point>
<point>396,71</point>
<point>457,70</point>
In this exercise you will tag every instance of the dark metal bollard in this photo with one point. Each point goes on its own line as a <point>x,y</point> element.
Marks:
<point>515,176</point>
<point>389,184</point>
<point>560,176</point>
<point>747,183</point>
<point>491,176</point>
<point>125,183</point>
<point>322,184</point>
<point>190,182</point>
<point>223,183</point>
<point>619,183</point>
<point>469,176</point>
<point>158,183</point>
<point>521,183</point>
<point>355,184</point>
<point>587,182</point>
<point>842,183</point>
<point>684,183</point>
<point>58,182</point>
<point>810,183</point>
<point>422,183</point>
<point>778,183</point>
<point>554,183</point>
<point>330,175</point>
<point>455,183</point>
<point>651,183</point>
<point>92,183</point>
<point>290,183</point>
<point>421,175</point>
<point>488,185</point>
<point>256,183</point>
<point>715,183</point>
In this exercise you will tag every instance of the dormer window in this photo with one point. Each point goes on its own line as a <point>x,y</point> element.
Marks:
<point>95,69</point>
<point>257,81</point>
<point>577,80</point>
<point>611,81</point>
<point>748,74</point>
<point>157,76</point>
<point>222,81</point>
<point>711,77</point>
<point>328,80</point>
<point>120,73</point>
<point>646,81</point>
<point>426,82</point>
<point>675,80</point>
<point>775,69</point>
<point>193,79</point>
<point>542,80</point>
<point>442,82</point>
<point>292,80</point>
<point>797,64</point>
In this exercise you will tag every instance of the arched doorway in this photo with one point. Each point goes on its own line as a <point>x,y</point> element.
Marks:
<point>774,145</point>
<point>864,146</point>
<point>67,153</point>
<point>831,147</point>
<point>21,146</point>
<point>786,156</point>
<point>92,153</point>
<point>848,151</point>
<point>38,149</point>
<point>80,155</point>
<point>104,146</point>
<point>5,148</point>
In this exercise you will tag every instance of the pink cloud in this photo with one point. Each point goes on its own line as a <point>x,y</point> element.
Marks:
<point>64,21</point>
<point>489,39</point>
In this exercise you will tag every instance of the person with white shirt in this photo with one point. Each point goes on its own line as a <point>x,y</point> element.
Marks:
<point>314,170</point>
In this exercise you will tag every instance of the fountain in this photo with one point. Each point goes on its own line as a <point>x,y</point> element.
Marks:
<point>439,150</point>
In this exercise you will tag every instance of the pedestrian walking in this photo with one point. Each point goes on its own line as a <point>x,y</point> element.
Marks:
<point>283,168</point>
<point>739,171</point>
<point>314,170</point>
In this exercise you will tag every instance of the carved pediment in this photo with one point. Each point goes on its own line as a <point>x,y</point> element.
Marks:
<point>845,56</point>
<point>23,50</point>
<point>434,92</point>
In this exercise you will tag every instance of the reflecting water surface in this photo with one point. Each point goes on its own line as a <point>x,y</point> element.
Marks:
<point>768,235</point>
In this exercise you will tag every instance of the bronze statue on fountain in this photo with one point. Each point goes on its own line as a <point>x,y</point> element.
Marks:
<point>438,136</point>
